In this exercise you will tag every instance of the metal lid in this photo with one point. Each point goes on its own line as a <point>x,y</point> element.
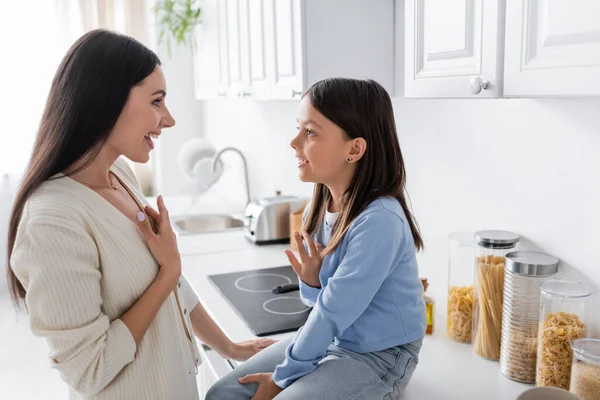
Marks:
<point>496,239</point>
<point>531,263</point>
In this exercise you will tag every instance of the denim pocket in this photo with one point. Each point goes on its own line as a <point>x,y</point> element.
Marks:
<point>415,346</point>
<point>380,362</point>
<point>334,354</point>
<point>401,375</point>
<point>392,350</point>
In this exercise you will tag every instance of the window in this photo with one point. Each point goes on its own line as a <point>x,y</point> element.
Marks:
<point>33,40</point>
<point>34,36</point>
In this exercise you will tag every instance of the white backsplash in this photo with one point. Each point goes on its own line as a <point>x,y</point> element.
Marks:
<point>524,165</point>
<point>262,131</point>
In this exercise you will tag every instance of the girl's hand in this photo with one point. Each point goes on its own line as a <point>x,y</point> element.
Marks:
<point>267,389</point>
<point>309,266</point>
<point>244,350</point>
<point>163,243</point>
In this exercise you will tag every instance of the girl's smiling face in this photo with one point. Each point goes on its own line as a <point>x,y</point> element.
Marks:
<point>322,148</point>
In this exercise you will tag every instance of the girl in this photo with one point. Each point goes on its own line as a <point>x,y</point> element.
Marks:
<point>363,336</point>
<point>101,285</point>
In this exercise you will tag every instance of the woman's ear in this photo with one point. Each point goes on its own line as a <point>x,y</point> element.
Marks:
<point>358,147</point>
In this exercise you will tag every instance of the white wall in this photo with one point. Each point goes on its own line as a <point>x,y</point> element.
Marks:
<point>524,165</point>
<point>187,111</point>
<point>529,166</point>
<point>263,131</point>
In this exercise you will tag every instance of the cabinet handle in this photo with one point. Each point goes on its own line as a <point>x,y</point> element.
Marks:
<point>477,85</point>
<point>244,94</point>
<point>222,94</point>
<point>296,93</point>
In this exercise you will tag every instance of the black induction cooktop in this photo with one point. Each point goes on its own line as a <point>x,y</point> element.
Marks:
<point>264,310</point>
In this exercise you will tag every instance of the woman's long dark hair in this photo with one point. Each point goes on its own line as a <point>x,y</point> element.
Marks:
<point>88,92</point>
<point>362,108</point>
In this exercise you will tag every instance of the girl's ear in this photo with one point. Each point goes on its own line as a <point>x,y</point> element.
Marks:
<point>357,148</point>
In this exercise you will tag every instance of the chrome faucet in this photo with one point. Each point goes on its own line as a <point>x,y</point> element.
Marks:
<point>218,156</point>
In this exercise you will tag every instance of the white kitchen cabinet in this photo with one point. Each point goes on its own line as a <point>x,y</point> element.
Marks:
<point>230,52</point>
<point>451,48</point>
<point>207,375</point>
<point>316,39</point>
<point>276,49</point>
<point>237,37</point>
<point>212,369</point>
<point>286,51</point>
<point>211,75</point>
<point>255,20</point>
<point>552,48</point>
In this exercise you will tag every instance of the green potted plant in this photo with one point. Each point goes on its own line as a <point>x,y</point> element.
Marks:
<point>176,20</point>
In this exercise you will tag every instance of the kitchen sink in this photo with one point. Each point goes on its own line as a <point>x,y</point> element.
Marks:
<point>195,224</point>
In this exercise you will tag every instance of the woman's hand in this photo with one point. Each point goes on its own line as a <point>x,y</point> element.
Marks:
<point>163,242</point>
<point>309,266</point>
<point>244,350</point>
<point>267,389</point>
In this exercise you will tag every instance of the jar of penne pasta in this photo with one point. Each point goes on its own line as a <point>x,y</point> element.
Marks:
<point>491,249</point>
<point>524,273</point>
<point>460,286</point>
<point>564,312</point>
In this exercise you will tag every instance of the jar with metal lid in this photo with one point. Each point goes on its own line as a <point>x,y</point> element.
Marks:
<point>491,249</point>
<point>525,271</point>
<point>564,313</point>
<point>460,286</point>
<point>585,371</point>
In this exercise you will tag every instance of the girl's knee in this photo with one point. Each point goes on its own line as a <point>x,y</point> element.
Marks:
<point>220,390</point>
<point>214,393</point>
<point>228,388</point>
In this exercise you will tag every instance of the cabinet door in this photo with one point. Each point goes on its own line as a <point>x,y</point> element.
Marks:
<point>258,74</point>
<point>210,58</point>
<point>236,48</point>
<point>286,51</point>
<point>207,375</point>
<point>452,48</point>
<point>552,48</point>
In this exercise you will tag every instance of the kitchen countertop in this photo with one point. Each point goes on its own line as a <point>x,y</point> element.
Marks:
<point>447,370</point>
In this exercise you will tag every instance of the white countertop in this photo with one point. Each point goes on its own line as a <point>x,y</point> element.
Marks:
<point>447,370</point>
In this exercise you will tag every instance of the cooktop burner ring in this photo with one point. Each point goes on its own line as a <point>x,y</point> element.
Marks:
<point>284,313</point>
<point>244,289</point>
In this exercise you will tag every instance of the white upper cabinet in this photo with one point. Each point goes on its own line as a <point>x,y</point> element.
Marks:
<point>276,49</point>
<point>451,48</point>
<point>236,47</point>
<point>286,48</point>
<point>257,66</point>
<point>211,75</point>
<point>494,48</point>
<point>552,48</point>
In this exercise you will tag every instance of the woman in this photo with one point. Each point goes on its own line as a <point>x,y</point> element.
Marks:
<point>97,268</point>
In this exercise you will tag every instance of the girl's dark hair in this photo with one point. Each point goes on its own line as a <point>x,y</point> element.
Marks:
<point>88,92</point>
<point>361,108</point>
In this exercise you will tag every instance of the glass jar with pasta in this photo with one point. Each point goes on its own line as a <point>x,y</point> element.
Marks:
<point>564,308</point>
<point>492,247</point>
<point>524,273</point>
<point>460,286</point>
